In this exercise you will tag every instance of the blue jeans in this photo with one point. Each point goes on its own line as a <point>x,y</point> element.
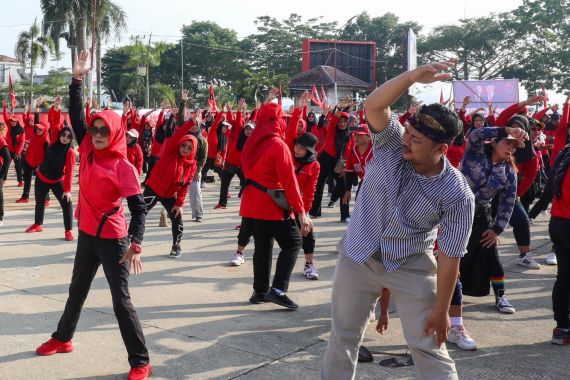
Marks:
<point>521,227</point>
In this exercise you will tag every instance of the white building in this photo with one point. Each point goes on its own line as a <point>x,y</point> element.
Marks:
<point>12,66</point>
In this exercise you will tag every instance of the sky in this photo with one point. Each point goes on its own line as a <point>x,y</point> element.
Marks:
<point>165,19</point>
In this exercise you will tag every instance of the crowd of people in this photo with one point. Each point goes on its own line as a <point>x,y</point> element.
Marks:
<point>435,188</point>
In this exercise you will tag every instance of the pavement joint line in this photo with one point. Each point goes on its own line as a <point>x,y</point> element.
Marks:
<point>278,359</point>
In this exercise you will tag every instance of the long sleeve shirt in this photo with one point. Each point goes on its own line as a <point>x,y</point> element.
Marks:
<point>487,179</point>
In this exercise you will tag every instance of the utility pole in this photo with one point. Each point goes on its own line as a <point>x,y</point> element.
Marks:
<point>182,59</point>
<point>147,92</point>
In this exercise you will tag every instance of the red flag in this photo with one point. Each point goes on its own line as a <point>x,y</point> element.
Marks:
<point>545,100</point>
<point>441,100</point>
<point>212,99</point>
<point>13,100</point>
<point>323,98</point>
<point>315,97</point>
<point>280,96</point>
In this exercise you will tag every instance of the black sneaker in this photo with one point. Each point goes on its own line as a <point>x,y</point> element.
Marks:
<point>560,337</point>
<point>198,219</point>
<point>281,300</point>
<point>175,252</point>
<point>257,298</point>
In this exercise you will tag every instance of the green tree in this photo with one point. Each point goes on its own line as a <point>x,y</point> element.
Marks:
<point>255,85</point>
<point>32,49</point>
<point>277,45</point>
<point>112,69</point>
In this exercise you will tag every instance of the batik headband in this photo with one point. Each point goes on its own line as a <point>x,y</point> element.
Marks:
<point>431,128</point>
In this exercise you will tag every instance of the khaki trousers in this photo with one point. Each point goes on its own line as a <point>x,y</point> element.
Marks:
<point>356,289</point>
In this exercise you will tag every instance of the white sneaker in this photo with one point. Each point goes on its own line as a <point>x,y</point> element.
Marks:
<point>529,262</point>
<point>311,272</point>
<point>551,259</point>
<point>460,336</point>
<point>237,259</point>
<point>504,306</point>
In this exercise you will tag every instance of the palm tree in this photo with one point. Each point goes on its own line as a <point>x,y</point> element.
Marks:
<point>72,20</point>
<point>33,48</point>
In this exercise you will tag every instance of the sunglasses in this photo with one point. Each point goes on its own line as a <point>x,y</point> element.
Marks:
<point>103,131</point>
<point>66,136</point>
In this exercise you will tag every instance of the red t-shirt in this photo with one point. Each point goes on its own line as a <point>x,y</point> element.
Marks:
<point>356,162</point>
<point>561,206</point>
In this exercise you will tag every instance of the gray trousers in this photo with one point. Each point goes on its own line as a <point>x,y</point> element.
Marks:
<point>196,199</point>
<point>356,289</point>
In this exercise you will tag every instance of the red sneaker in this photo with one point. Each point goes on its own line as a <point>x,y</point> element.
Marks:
<point>218,206</point>
<point>69,235</point>
<point>23,200</point>
<point>46,204</point>
<point>54,346</point>
<point>35,228</point>
<point>140,373</point>
<point>20,184</point>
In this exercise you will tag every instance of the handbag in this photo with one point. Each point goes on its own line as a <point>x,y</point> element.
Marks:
<point>277,195</point>
<point>339,166</point>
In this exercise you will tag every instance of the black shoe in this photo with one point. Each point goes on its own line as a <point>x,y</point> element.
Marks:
<point>364,355</point>
<point>281,300</point>
<point>175,252</point>
<point>331,204</point>
<point>257,298</point>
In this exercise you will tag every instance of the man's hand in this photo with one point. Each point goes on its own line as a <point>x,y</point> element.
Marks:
<point>433,72</point>
<point>133,260</point>
<point>438,323</point>
<point>81,65</point>
<point>176,211</point>
<point>306,224</point>
<point>490,239</point>
<point>346,197</point>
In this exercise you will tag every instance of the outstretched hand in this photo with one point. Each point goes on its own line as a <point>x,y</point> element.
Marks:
<point>433,72</point>
<point>303,100</point>
<point>81,66</point>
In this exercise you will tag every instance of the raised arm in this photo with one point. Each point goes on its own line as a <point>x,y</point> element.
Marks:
<point>377,104</point>
<point>76,112</point>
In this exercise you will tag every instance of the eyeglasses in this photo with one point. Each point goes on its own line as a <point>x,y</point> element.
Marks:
<point>66,136</point>
<point>103,131</point>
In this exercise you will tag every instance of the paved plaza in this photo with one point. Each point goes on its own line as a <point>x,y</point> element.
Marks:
<point>198,321</point>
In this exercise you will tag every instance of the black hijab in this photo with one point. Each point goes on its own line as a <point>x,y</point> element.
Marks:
<point>56,157</point>
<point>222,138</point>
<point>341,138</point>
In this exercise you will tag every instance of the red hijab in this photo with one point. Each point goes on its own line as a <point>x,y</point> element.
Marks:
<point>269,124</point>
<point>117,140</point>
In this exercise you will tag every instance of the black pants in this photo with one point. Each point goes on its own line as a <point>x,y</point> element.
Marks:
<point>91,252</point>
<point>17,165</point>
<point>227,176</point>
<point>543,202</point>
<point>288,236</point>
<point>559,229</point>
<point>338,193</point>
<point>27,176</point>
<point>327,164</point>
<point>41,191</point>
<point>151,162</point>
<point>245,231</point>
<point>146,163</point>
<point>151,199</point>
<point>479,264</point>
<point>210,165</point>
<point>1,200</point>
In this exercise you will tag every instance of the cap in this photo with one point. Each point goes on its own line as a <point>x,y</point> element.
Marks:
<point>308,140</point>
<point>362,130</point>
<point>520,120</point>
<point>536,123</point>
<point>344,114</point>
<point>250,124</point>
<point>133,133</point>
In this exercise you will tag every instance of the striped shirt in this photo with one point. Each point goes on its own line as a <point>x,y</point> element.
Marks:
<point>398,211</point>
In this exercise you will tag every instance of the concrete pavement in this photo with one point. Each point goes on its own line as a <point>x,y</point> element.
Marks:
<point>199,324</point>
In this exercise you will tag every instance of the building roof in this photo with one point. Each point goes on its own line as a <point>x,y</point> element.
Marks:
<point>6,59</point>
<point>325,76</point>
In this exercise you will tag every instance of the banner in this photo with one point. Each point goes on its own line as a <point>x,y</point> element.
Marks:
<point>501,92</point>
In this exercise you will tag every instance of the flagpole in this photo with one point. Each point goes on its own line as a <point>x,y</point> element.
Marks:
<point>93,32</point>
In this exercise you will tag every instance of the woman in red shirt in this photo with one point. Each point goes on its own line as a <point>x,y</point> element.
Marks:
<point>170,180</point>
<point>105,178</point>
<point>55,173</point>
<point>4,163</point>
<point>217,146</point>
<point>268,165</point>
<point>134,150</point>
<point>15,138</point>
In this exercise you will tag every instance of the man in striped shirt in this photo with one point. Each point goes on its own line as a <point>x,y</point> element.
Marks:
<point>409,191</point>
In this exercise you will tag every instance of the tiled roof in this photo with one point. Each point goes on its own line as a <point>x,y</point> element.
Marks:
<point>5,58</point>
<point>325,76</point>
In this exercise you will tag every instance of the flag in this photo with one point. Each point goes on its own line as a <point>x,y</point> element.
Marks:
<point>13,100</point>
<point>212,99</point>
<point>280,96</point>
<point>323,98</point>
<point>315,97</point>
<point>545,100</point>
<point>441,100</point>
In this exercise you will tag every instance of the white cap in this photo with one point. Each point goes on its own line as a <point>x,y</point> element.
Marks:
<point>133,133</point>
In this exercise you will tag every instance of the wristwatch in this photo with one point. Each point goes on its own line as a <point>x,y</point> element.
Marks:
<point>136,247</point>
